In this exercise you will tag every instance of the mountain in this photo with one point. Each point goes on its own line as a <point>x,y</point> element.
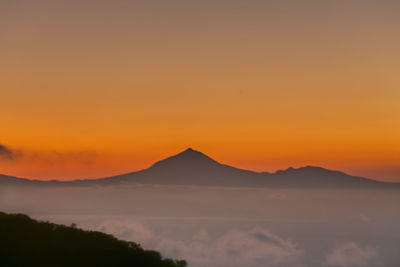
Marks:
<point>192,167</point>
<point>17,181</point>
<point>27,242</point>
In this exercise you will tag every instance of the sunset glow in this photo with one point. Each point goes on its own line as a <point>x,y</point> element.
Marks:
<point>91,89</point>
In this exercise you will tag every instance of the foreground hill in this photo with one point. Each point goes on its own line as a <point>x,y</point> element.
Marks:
<point>27,242</point>
<point>192,167</point>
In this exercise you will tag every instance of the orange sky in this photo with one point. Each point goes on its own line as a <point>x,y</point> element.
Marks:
<point>94,88</point>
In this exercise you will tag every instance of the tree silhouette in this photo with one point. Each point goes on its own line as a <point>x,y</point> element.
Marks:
<point>27,242</point>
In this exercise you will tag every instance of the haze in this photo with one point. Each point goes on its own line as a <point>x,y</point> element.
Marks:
<point>219,227</point>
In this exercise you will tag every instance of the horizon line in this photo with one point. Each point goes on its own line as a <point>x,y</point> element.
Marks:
<point>190,149</point>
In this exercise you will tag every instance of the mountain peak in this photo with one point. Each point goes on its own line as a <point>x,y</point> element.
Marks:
<point>190,150</point>
<point>189,157</point>
<point>191,154</point>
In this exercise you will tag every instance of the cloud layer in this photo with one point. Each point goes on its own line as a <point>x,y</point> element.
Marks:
<point>235,248</point>
<point>351,254</point>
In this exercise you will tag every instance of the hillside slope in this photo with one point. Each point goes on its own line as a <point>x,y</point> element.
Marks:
<point>27,242</point>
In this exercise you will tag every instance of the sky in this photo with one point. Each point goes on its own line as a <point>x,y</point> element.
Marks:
<point>95,88</point>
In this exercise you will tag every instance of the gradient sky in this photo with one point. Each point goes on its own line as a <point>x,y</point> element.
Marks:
<point>94,88</point>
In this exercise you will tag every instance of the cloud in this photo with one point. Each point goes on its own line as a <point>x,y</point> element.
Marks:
<point>351,254</point>
<point>6,153</point>
<point>128,230</point>
<point>255,247</point>
<point>235,248</point>
<point>51,158</point>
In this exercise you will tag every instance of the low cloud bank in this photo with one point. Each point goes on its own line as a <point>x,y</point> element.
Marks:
<point>351,254</point>
<point>235,248</point>
<point>256,247</point>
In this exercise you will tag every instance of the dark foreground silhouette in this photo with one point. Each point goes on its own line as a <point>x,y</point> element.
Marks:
<point>27,242</point>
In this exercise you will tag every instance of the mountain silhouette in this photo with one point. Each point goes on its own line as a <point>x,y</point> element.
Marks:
<point>188,160</point>
<point>192,167</point>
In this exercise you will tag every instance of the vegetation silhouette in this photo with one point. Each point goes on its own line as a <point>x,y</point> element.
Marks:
<point>27,242</point>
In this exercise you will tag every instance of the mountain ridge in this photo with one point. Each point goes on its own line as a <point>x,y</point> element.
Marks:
<point>192,167</point>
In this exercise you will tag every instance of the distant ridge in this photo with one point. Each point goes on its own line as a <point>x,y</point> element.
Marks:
<point>195,168</point>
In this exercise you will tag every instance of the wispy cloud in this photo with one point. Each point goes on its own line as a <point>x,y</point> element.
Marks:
<point>51,158</point>
<point>351,254</point>
<point>6,153</point>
